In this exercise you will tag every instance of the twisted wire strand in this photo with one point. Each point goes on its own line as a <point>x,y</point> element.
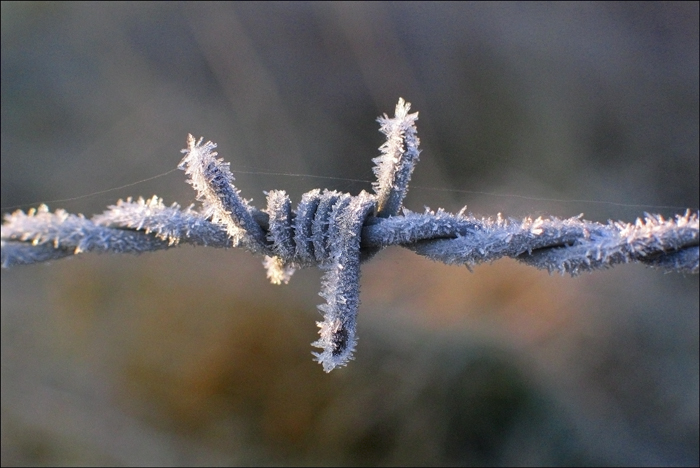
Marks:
<point>332,230</point>
<point>337,232</point>
<point>570,245</point>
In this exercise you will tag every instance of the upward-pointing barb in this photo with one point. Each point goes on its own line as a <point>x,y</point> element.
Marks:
<point>213,181</point>
<point>399,156</point>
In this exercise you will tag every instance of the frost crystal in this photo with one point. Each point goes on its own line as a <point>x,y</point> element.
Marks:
<point>341,282</point>
<point>221,202</point>
<point>277,271</point>
<point>399,156</point>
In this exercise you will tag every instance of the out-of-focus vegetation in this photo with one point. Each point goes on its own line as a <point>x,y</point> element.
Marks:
<point>191,356</point>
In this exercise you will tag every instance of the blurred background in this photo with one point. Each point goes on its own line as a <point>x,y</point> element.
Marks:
<point>191,357</point>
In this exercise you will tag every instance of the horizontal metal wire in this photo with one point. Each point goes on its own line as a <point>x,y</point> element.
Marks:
<point>337,231</point>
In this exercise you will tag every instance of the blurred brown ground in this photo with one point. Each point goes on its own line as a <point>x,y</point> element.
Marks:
<point>192,357</point>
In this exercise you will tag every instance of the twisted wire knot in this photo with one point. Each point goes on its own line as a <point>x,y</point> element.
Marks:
<point>324,231</point>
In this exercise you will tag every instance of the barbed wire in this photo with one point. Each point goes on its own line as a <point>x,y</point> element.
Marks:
<point>337,232</point>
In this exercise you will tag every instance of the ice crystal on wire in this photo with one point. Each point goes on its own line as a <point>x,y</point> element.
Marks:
<point>399,156</point>
<point>336,231</point>
<point>341,282</point>
<point>277,271</point>
<point>221,200</point>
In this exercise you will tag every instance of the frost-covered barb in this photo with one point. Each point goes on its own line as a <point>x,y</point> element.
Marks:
<point>399,156</point>
<point>221,200</point>
<point>337,231</point>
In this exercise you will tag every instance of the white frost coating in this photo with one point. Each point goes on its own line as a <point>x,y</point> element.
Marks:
<point>334,231</point>
<point>341,282</point>
<point>277,271</point>
<point>221,200</point>
<point>399,156</point>
<point>280,230</point>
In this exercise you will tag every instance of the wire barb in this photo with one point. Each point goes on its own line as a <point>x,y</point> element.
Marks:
<point>337,231</point>
<point>399,157</point>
